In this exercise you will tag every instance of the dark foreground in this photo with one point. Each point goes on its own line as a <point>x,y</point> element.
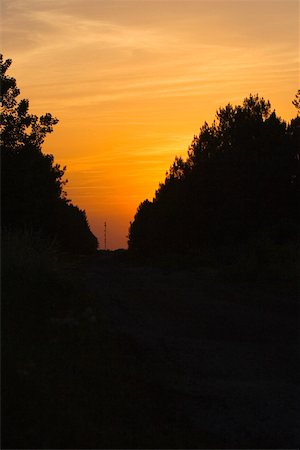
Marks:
<point>159,358</point>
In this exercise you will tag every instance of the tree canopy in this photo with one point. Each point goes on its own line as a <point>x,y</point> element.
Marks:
<point>240,178</point>
<point>32,184</point>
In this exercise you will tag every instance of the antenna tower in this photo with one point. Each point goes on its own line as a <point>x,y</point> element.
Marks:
<point>104,235</point>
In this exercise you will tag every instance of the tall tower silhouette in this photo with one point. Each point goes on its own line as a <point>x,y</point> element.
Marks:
<point>104,235</point>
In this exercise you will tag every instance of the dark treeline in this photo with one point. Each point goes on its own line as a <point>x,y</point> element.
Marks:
<point>32,192</point>
<point>239,182</point>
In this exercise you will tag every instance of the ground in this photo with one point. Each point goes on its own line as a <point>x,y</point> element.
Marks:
<point>164,357</point>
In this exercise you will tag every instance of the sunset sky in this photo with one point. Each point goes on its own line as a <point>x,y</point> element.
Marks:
<point>131,82</point>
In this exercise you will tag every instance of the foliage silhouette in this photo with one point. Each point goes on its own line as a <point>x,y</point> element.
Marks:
<point>296,102</point>
<point>32,184</point>
<point>240,179</point>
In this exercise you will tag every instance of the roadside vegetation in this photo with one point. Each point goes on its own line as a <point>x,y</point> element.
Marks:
<point>44,294</point>
<point>32,194</point>
<point>233,202</point>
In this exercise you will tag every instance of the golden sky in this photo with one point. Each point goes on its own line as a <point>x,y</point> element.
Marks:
<point>132,82</point>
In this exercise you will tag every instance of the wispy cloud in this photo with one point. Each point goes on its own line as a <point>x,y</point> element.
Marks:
<point>37,27</point>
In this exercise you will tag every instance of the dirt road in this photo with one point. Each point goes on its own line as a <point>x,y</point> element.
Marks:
<point>197,363</point>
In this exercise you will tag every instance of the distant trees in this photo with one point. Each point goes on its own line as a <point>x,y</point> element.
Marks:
<point>240,178</point>
<point>296,101</point>
<point>32,184</point>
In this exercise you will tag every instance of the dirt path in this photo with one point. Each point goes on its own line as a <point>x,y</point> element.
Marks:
<point>214,363</point>
<point>150,357</point>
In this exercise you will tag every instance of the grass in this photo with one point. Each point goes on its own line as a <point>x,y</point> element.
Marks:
<point>260,259</point>
<point>46,312</point>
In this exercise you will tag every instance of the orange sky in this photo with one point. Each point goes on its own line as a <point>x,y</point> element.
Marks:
<point>132,81</point>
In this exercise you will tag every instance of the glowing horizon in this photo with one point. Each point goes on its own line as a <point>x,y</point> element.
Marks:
<point>131,83</point>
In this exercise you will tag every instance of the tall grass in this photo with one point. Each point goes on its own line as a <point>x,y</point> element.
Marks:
<point>44,298</point>
<point>259,259</point>
<point>262,259</point>
<point>27,255</point>
<point>36,276</point>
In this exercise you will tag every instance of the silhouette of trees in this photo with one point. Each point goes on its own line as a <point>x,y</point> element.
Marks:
<point>240,179</point>
<point>296,102</point>
<point>32,184</point>
<point>18,127</point>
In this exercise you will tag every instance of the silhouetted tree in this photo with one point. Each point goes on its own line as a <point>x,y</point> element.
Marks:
<point>296,101</point>
<point>18,127</point>
<point>240,178</point>
<point>32,184</point>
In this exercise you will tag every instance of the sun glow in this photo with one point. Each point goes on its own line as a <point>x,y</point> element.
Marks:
<point>132,82</point>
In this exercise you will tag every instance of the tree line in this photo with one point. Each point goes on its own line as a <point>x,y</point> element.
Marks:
<point>32,194</point>
<point>240,180</point>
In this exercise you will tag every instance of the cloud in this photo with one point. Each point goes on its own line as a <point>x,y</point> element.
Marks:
<point>41,26</point>
<point>84,54</point>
